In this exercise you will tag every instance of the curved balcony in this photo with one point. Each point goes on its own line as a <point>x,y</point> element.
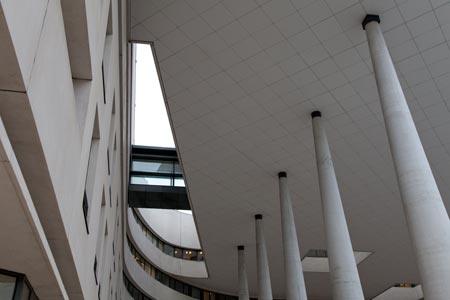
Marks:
<point>146,286</point>
<point>170,248</point>
<point>155,284</point>
<point>188,263</point>
<point>173,226</point>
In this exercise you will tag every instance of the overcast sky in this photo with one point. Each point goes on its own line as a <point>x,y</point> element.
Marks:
<point>152,126</point>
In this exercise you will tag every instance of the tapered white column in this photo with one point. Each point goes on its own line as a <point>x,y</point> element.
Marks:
<point>295,283</point>
<point>262,264</point>
<point>242,275</point>
<point>426,216</point>
<point>343,271</point>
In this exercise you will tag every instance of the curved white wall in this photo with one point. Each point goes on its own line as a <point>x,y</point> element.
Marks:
<point>166,263</point>
<point>148,284</point>
<point>172,226</point>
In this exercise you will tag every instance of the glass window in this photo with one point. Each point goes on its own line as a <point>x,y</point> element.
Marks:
<point>186,289</point>
<point>148,268</point>
<point>205,295</point>
<point>135,293</point>
<point>317,253</point>
<point>153,166</point>
<point>179,286</point>
<point>209,296</point>
<point>177,169</point>
<point>7,284</point>
<point>137,180</point>
<point>172,283</point>
<point>196,293</point>
<point>154,240</point>
<point>168,249</point>
<point>200,256</point>
<point>164,279</point>
<point>189,254</point>
<point>25,292</point>
<point>179,182</point>
<point>152,272</point>
<point>151,180</point>
<point>178,253</point>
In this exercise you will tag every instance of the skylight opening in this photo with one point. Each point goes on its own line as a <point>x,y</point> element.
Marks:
<point>316,260</point>
<point>403,291</point>
<point>151,121</point>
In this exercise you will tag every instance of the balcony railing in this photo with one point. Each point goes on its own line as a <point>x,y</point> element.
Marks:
<point>172,250</point>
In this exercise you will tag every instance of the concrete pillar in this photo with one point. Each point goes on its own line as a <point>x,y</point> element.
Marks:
<point>343,271</point>
<point>242,275</point>
<point>426,216</point>
<point>262,264</point>
<point>295,283</point>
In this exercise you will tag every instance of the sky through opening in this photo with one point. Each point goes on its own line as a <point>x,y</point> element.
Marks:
<point>151,123</point>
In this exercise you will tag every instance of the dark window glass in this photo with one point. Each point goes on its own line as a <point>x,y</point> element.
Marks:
<point>187,289</point>
<point>178,252</point>
<point>107,157</point>
<point>172,283</point>
<point>317,253</point>
<point>103,82</point>
<point>200,256</point>
<point>164,279</point>
<point>135,294</point>
<point>196,293</point>
<point>85,210</point>
<point>154,240</point>
<point>95,270</point>
<point>179,286</point>
<point>168,249</point>
<point>177,169</point>
<point>7,284</point>
<point>25,292</point>
<point>189,254</point>
<point>164,167</point>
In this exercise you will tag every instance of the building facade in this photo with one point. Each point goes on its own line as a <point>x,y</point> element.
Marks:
<point>312,150</point>
<point>64,124</point>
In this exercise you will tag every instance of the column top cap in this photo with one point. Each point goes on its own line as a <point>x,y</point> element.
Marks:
<point>282,174</point>
<point>370,18</point>
<point>240,247</point>
<point>258,217</point>
<point>316,113</point>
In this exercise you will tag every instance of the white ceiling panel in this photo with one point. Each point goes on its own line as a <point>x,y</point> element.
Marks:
<point>241,79</point>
